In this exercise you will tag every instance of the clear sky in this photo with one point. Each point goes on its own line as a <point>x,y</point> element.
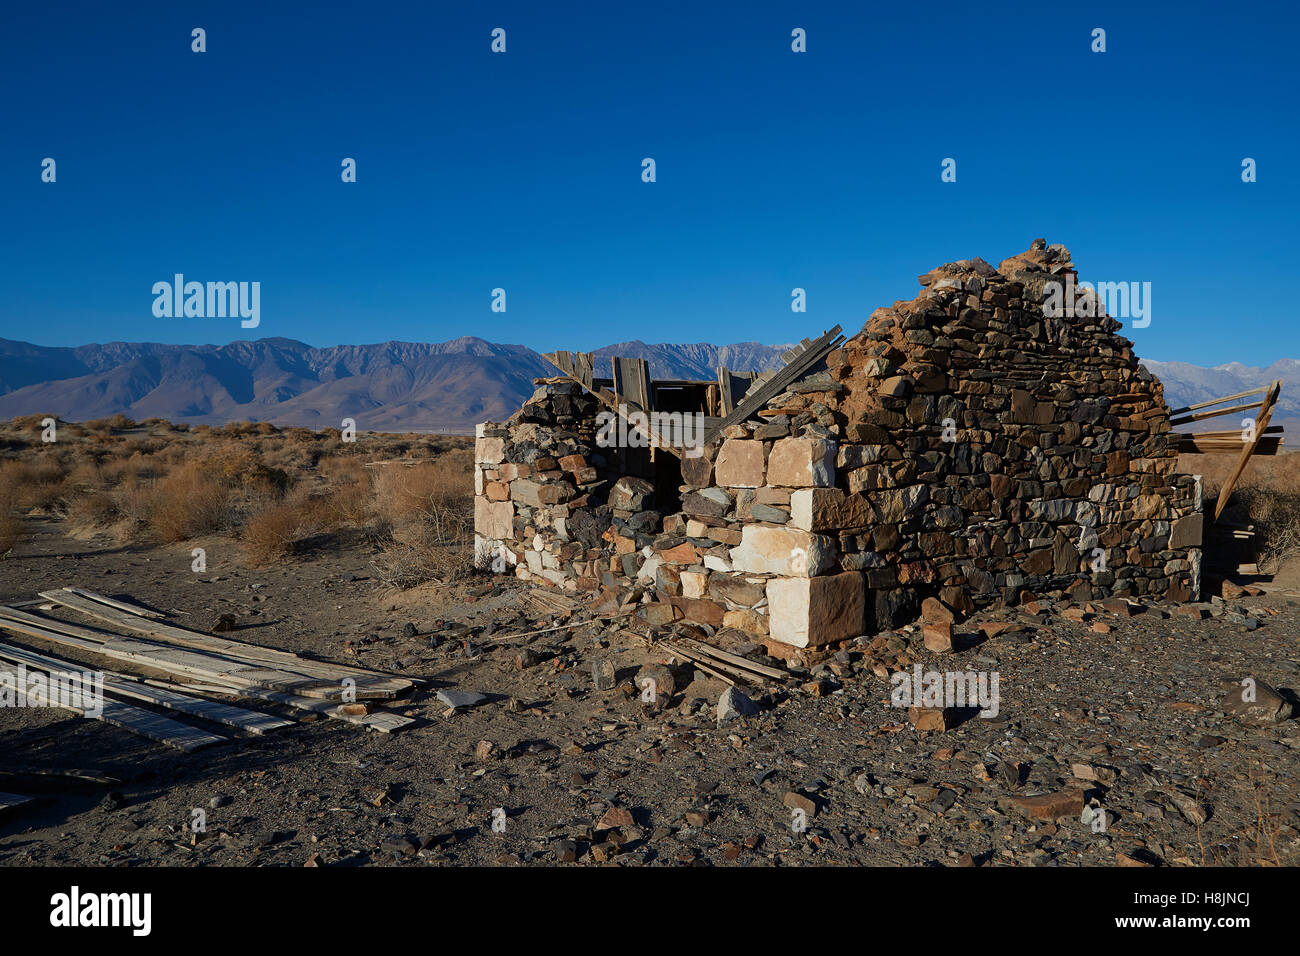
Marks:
<point>522,170</point>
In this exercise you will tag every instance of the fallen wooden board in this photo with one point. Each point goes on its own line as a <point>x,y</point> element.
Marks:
<point>713,669</point>
<point>381,721</point>
<point>145,723</point>
<point>236,675</point>
<point>185,637</point>
<point>11,801</point>
<point>168,660</point>
<point>730,658</point>
<point>369,683</point>
<point>120,685</point>
<point>54,781</point>
<point>111,602</point>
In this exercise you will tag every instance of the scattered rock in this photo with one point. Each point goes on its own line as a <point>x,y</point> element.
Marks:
<point>1256,704</point>
<point>616,817</point>
<point>797,801</point>
<point>460,698</point>
<point>733,704</point>
<point>602,674</point>
<point>1050,806</point>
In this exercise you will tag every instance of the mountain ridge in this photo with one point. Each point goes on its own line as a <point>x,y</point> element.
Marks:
<point>392,385</point>
<point>406,386</point>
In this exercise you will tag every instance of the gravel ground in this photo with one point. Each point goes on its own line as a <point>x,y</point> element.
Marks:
<point>1131,725</point>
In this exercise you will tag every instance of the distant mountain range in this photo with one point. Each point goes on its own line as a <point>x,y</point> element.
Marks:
<point>1189,384</point>
<point>393,386</point>
<point>405,386</point>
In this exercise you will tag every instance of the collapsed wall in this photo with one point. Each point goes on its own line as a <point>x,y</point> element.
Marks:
<point>967,444</point>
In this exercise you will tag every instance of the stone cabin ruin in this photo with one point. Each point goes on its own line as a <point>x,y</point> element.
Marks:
<point>967,445</point>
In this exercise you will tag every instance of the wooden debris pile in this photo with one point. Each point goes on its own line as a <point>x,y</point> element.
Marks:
<point>180,670</point>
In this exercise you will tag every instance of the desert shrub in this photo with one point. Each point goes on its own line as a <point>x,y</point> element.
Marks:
<point>240,466</point>
<point>11,525</point>
<point>1275,516</point>
<point>117,422</point>
<point>95,509</point>
<point>36,483</point>
<point>137,467</point>
<point>428,510</point>
<point>30,423</point>
<point>85,476</point>
<point>189,502</point>
<point>414,553</point>
<point>432,491</point>
<point>272,532</point>
<point>347,499</point>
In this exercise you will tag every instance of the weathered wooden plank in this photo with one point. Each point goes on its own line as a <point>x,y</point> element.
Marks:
<point>146,723</point>
<point>735,659</point>
<point>725,399</point>
<point>111,602</point>
<point>759,395</point>
<point>120,685</point>
<point>11,801</point>
<point>631,382</point>
<point>374,684</point>
<point>1199,416</point>
<point>1263,389</point>
<point>55,781</point>
<point>196,675</point>
<point>584,368</point>
<point>1227,446</point>
<point>1261,422</point>
<point>381,721</point>
<point>169,660</point>
<point>1230,433</point>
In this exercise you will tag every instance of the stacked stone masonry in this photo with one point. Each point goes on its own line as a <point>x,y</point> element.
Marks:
<point>963,445</point>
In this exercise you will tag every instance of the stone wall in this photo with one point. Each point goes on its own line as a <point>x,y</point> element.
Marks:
<point>548,500</point>
<point>963,445</point>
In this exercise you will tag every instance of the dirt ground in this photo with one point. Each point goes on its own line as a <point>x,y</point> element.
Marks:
<point>1129,722</point>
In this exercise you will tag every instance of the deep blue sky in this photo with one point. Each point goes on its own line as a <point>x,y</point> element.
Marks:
<point>522,170</point>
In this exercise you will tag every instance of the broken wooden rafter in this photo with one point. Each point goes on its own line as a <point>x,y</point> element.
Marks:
<point>622,403</point>
<point>1199,445</point>
<point>1248,448</point>
<point>1215,413</point>
<point>1219,401</point>
<point>806,355</point>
